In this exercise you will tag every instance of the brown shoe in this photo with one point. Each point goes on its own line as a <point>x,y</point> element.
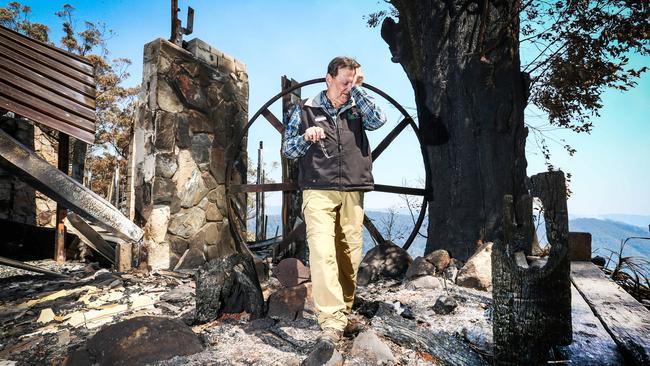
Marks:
<point>353,328</point>
<point>331,334</point>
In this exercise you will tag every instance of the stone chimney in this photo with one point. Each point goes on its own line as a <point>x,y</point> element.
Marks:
<point>194,105</point>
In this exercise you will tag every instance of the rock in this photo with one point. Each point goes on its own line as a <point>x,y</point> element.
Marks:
<point>163,190</point>
<point>424,282</point>
<point>166,165</point>
<point>165,131</point>
<point>212,213</point>
<point>262,270</point>
<point>228,285</point>
<point>137,341</point>
<point>477,272</point>
<point>439,258</point>
<point>192,258</point>
<point>420,267</point>
<point>445,305</point>
<point>187,223</point>
<point>364,307</point>
<point>200,147</point>
<point>383,261</point>
<point>323,354</point>
<point>189,182</point>
<point>372,349</point>
<point>290,303</point>
<point>450,274</point>
<point>156,227</point>
<point>291,272</point>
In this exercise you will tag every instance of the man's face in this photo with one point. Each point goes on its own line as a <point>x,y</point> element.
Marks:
<point>338,88</point>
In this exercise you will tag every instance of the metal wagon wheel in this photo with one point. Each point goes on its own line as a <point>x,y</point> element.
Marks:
<point>234,190</point>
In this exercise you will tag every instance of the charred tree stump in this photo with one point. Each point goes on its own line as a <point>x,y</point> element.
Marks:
<point>532,304</point>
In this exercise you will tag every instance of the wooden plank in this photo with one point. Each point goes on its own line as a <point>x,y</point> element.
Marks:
<point>267,187</point>
<point>400,190</point>
<point>10,66</point>
<point>38,173</point>
<point>79,62</point>
<point>392,135</point>
<point>63,160</point>
<point>90,237</point>
<point>591,345</point>
<point>36,116</point>
<point>63,79</point>
<point>273,120</point>
<point>59,66</point>
<point>626,320</point>
<point>44,107</point>
<point>48,96</point>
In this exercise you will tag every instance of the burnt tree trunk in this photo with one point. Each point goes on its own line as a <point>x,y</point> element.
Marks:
<point>532,302</point>
<point>462,59</point>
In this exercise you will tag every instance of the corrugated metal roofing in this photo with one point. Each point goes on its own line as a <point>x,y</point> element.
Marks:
<point>47,85</point>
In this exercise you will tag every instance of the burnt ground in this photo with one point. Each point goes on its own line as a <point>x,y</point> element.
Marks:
<point>43,319</point>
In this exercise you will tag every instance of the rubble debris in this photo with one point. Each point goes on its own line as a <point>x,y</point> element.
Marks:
<point>439,258</point>
<point>137,341</point>
<point>228,285</point>
<point>386,260</point>
<point>444,305</point>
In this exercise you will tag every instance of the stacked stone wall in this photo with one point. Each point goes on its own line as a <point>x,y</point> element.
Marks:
<point>194,108</point>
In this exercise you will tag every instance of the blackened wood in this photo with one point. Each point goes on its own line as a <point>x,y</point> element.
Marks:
<point>267,187</point>
<point>78,160</point>
<point>400,190</point>
<point>445,347</point>
<point>626,320</point>
<point>90,237</point>
<point>532,306</point>
<point>61,212</point>
<point>29,267</point>
<point>291,200</point>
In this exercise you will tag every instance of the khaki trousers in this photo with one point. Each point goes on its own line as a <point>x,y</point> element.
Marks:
<point>334,222</point>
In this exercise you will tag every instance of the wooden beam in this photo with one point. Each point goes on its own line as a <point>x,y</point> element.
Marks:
<point>626,320</point>
<point>61,212</point>
<point>91,237</point>
<point>36,172</point>
<point>29,267</point>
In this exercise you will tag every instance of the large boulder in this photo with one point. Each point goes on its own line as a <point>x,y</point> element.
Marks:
<point>420,267</point>
<point>137,341</point>
<point>228,285</point>
<point>439,258</point>
<point>477,272</point>
<point>386,260</point>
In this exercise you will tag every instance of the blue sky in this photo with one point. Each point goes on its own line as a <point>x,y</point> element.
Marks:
<point>611,170</point>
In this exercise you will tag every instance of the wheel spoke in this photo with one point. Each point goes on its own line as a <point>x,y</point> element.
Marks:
<point>273,120</point>
<point>389,138</point>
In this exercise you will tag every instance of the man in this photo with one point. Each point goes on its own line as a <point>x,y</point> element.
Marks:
<point>327,134</point>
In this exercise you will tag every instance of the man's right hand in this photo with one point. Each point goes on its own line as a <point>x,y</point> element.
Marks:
<point>314,134</point>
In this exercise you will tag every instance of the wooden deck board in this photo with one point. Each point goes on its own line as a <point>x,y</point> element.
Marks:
<point>624,318</point>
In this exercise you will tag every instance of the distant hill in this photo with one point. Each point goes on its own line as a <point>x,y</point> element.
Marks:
<point>606,234</point>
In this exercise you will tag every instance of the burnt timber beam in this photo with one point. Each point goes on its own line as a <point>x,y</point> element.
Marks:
<point>90,237</point>
<point>36,172</point>
<point>62,163</point>
<point>29,267</point>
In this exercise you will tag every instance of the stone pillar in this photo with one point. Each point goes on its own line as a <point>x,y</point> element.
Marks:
<point>194,105</point>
